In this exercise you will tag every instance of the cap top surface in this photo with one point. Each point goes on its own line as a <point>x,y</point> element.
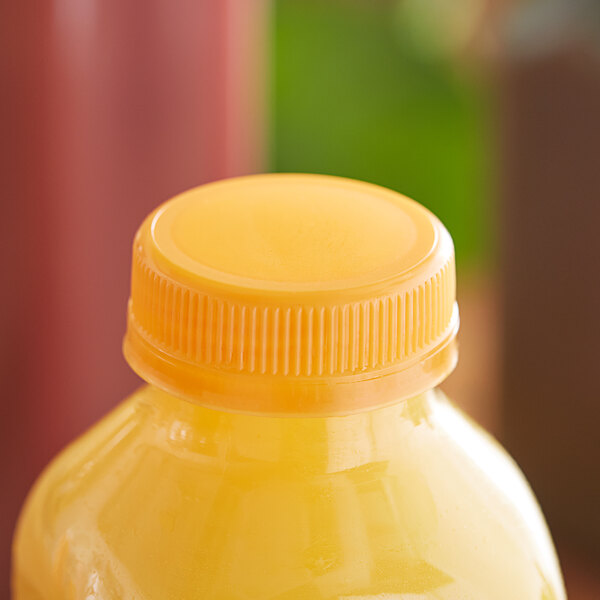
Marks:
<point>292,232</point>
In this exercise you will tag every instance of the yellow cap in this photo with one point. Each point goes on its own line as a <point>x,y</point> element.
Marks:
<point>292,294</point>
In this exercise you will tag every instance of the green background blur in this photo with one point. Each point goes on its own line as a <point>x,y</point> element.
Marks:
<point>376,91</point>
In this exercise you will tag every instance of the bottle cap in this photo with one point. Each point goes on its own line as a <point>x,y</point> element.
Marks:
<point>292,294</point>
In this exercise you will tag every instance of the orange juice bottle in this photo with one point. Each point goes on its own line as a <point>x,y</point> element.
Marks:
<point>290,442</point>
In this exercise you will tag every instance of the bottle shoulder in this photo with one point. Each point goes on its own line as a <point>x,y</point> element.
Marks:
<point>156,502</point>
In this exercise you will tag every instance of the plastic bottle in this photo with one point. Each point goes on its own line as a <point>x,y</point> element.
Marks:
<point>290,443</point>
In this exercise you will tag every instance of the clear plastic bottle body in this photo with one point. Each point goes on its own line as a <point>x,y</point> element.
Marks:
<point>167,499</point>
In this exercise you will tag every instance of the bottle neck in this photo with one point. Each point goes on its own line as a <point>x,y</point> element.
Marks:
<point>324,444</point>
<point>290,395</point>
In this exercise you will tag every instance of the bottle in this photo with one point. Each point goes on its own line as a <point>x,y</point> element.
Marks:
<point>290,442</point>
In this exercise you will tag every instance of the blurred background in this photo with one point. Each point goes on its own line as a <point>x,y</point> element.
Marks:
<point>486,111</point>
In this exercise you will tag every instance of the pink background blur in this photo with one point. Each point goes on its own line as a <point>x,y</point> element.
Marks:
<point>109,111</point>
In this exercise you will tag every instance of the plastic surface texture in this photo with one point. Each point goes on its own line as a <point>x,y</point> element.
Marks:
<point>167,499</point>
<point>294,284</point>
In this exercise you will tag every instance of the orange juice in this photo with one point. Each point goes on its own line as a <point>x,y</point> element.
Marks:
<point>290,442</point>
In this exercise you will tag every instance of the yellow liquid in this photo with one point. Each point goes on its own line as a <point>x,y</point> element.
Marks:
<point>165,500</point>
